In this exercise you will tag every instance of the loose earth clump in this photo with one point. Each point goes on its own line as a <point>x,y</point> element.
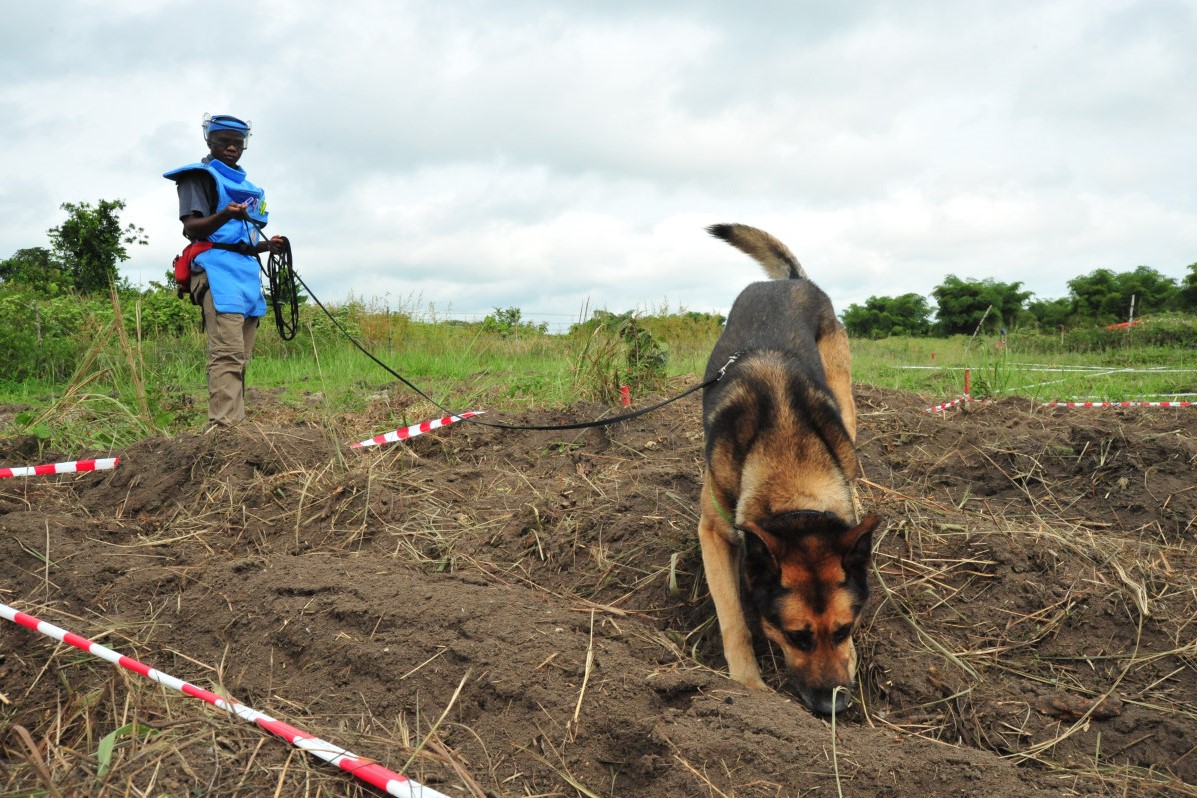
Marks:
<point>500,613</point>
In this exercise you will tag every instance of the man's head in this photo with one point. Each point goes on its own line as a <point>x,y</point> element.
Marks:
<point>227,137</point>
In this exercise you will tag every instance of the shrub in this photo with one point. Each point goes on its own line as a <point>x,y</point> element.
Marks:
<point>508,322</point>
<point>40,338</point>
<point>618,350</point>
<point>1162,331</point>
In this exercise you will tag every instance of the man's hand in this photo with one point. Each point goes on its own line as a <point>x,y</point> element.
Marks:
<point>235,210</point>
<point>275,244</point>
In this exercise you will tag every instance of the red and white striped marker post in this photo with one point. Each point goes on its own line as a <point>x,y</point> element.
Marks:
<point>73,467</point>
<point>414,430</point>
<point>968,393</point>
<point>1120,404</point>
<point>370,772</point>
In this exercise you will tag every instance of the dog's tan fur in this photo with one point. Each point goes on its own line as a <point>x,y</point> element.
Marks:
<point>780,428</point>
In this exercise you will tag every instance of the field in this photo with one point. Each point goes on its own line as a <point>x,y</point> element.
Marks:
<point>500,613</point>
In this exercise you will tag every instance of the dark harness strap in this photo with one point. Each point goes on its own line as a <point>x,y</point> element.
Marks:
<point>241,247</point>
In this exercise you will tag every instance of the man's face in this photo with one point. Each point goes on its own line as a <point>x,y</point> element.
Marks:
<point>226,146</point>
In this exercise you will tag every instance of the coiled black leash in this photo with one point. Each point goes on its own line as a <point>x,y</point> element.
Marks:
<point>474,419</point>
<point>280,277</point>
<point>284,293</point>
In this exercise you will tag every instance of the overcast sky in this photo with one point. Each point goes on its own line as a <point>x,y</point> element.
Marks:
<point>556,156</point>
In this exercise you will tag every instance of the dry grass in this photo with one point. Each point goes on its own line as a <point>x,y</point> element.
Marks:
<point>980,662</point>
<point>968,640</point>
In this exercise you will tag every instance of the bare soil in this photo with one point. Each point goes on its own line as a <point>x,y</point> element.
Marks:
<point>500,613</point>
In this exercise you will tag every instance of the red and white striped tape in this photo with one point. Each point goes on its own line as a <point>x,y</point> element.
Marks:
<point>414,430</point>
<point>952,403</point>
<point>1120,404</point>
<point>72,467</point>
<point>370,772</point>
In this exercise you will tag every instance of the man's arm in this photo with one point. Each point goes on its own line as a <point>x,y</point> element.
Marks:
<point>197,200</point>
<point>196,226</point>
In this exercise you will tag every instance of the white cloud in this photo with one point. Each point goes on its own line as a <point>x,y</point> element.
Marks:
<point>484,155</point>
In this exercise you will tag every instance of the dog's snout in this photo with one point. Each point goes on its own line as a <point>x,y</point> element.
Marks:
<point>824,700</point>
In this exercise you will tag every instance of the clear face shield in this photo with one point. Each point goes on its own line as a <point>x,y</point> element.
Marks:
<point>214,124</point>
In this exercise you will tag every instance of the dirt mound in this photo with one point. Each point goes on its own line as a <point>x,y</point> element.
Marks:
<point>523,613</point>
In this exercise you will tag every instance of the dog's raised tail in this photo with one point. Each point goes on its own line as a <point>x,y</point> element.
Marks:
<point>774,256</point>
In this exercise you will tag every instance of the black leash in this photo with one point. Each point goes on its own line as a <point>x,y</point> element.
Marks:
<point>474,419</point>
<point>281,278</point>
<point>284,294</point>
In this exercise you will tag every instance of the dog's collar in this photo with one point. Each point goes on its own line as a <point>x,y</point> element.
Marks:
<point>719,509</point>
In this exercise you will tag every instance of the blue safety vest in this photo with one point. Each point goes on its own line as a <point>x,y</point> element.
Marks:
<point>232,276</point>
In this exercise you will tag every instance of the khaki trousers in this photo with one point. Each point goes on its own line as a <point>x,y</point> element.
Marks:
<point>230,347</point>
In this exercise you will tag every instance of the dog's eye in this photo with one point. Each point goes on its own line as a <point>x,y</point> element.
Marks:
<point>803,641</point>
<point>842,634</point>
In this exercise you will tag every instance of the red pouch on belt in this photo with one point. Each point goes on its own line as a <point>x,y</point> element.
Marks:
<point>182,265</point>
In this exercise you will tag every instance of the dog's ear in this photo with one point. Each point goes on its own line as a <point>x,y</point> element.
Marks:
<point>762,552</point>
<point>857,543</point>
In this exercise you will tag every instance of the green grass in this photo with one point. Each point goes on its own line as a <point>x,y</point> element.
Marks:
<point>937,367</point>
<point>125,390</point>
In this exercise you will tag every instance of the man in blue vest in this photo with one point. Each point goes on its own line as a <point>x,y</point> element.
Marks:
<point>218,205</point>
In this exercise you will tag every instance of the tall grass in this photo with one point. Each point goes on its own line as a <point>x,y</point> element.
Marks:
<point>128,385</point>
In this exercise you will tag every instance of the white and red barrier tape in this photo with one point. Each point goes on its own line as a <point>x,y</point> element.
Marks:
<point>1120,404</point>
<point>370,772</point>
<point>75,466</point>
<point>952,403</point>
<point>414,430</point>
<point>963,399</point>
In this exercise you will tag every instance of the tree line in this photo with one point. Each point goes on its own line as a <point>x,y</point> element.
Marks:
<point>86,249</point>
<point>1101,297</point>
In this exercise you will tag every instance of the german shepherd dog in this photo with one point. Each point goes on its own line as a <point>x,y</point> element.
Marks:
<point>778,531</point>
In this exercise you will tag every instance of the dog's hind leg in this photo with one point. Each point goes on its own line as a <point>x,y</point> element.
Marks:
<point>837,365</point>
<point>721,562</point>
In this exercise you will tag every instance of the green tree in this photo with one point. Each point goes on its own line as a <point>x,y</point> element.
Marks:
<point>34,268</point>
<point>962,304</point>
<point>1186,297</point>
<point>1104,296</point>
<point>1051,313</point>
<point>883,316</point>
<point>91,242</point>
<point>509,321</point>
<point>1154,292</point>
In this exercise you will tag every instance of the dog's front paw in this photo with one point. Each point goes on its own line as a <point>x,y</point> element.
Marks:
<point>752,681</point>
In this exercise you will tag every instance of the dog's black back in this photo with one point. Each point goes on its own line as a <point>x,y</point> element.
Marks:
<point>779,321</point>
<point>788,314</point>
